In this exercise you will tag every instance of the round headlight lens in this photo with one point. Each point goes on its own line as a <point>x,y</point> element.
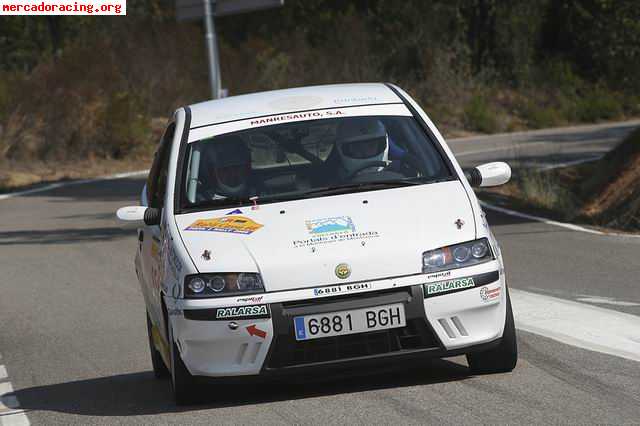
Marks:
<point>197,285</point>
<point>461,254</point>
<point>479,250</point>
<point>217,284</point>
<point>249,282</point>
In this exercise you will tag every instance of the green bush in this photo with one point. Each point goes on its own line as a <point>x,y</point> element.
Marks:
<point>479,115</point>
<point>539,117</point>
<point>544,190</point>
<point>595,105</point>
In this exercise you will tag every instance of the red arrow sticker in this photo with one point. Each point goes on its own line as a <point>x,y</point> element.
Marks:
<point>255,331</point>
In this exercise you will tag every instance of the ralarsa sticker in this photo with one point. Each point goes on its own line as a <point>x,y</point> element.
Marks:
<point>242,312</point>
<point>448,286</point>
<point>232,224</point>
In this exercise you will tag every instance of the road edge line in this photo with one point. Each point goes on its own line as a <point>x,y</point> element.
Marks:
<point>565,225</point>
<point>71,183</point>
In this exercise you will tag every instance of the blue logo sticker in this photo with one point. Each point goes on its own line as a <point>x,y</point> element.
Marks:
<point>236,211</point>
<point>330,225</point>
<point>301,333</point>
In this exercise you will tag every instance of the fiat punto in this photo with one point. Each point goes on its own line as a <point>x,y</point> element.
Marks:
<point>314,229</point>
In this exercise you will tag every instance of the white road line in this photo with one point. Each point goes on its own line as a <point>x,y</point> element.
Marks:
<point>501,148</point>
<point>17,418</point>
<point>551,131</point>
<point>578,324</point>
<point>570,226</point>
<point>71,183</point>
<point>10,412</point>
<point>570,163</point>
<point>605,301</point>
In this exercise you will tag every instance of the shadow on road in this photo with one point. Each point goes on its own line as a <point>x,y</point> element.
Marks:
<point>142,394</point>
<point>105,190</point>
<point>617,132</point>
<point>64,236</point>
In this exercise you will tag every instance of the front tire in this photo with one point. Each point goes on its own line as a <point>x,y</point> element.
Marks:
<point>182,382</point>
<point>159,368</point>
<point>502,358</point>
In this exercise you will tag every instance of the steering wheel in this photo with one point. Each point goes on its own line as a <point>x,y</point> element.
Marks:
<point>366,166</point>
<point>411,163</point>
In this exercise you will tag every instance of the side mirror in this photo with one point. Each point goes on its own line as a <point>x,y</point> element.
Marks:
<point>148,215</point>
<point>490,174</point>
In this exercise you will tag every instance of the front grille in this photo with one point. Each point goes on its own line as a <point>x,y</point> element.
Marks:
<point>288,352</point>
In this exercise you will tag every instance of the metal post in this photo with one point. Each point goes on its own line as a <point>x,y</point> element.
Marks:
<point>212,49</point>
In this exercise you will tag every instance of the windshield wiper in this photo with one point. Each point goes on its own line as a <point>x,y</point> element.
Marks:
<point>360,187</point>
<point>221,202</point>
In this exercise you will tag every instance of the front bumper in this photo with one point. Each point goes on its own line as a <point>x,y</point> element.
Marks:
<point>440,326</point>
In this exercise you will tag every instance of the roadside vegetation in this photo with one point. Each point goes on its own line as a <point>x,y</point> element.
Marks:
<point>77,93</point>
<point>603,193</point>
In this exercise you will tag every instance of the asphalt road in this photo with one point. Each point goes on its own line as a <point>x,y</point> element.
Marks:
<point>74,348</point>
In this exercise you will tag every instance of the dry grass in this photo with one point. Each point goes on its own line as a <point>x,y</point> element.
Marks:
<point>14,176</point>
<point>605,193</point>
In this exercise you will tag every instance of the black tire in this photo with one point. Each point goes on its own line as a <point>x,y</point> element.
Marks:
<point>182,382</point>
<point>502,358</point>
<point>160,370</point>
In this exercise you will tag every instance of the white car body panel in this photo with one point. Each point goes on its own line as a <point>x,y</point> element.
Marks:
<point>391,231</point>
<point>284,253</point>
<point>345,111</point>
<point>290,100</point>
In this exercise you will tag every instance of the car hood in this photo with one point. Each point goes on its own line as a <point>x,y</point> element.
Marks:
<point>299,244</point>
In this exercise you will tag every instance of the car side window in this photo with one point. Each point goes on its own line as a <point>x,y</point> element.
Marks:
<point>157,180</point>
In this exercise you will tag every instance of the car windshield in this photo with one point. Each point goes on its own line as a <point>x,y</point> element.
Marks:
<point>309,159</point>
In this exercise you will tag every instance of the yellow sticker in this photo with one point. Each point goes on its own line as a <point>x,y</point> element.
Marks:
<point>232,224</point>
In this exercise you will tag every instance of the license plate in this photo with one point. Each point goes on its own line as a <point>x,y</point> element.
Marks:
<point>349,322</point>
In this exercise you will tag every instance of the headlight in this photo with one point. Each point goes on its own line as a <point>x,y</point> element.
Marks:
<point>456,256</point>
<point>220,285</point>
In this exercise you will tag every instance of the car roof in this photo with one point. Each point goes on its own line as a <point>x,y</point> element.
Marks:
<point>290,100</point>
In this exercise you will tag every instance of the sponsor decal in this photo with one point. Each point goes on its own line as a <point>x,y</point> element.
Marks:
<point>206,255</point>
<point>174,259</point>
<point>236,211</point>
<point>155,250</point>
<point>341,289</point>
<point>296,117</point>
<point>488,295</point>
<point>231,224</point>
<point>439,275</point>
<point>238,312</point>
<point>254,299</point>
<point>330,225</point>
<point>332,230</point>
<point>343,271</point>
<point>253,330</point>
<point>451,285</point>
<point>358,99</point>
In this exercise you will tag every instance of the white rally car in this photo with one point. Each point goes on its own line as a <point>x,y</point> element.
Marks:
<point>317,228</point>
